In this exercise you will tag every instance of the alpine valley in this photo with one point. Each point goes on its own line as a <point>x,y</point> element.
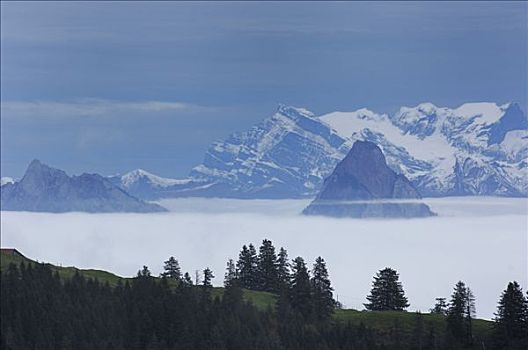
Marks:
<point>475,149</point>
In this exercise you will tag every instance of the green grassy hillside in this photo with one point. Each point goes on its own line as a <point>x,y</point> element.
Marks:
<point>382,321</point>
<point>385,321</point>
<point>262,300</point>
<point>64,272</point>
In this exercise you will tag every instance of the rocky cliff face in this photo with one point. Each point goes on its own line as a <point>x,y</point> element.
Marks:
<point>287,155</point>
<point>362,185</point>
<point>46,189</point>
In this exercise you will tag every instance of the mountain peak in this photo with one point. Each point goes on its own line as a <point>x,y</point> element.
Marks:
<point>138,172</point>
<point>421,120</point>
<point>512,106</point>
<point>364,154</point>
<point>513,118</point>
<point>367,113</point>
<point>133,177</point>
<point>365,146</point>
<point>47,189</point>
<point>426,105</point>
<point>36,164</point>
<point>426,108</point>
<point>40,174</point>
<point>365,175</point>
<point>360,178</point>
<point>294,112</point>
<point>486,112</point>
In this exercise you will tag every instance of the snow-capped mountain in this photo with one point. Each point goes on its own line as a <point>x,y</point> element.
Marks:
<point>6,180</point>
<point>46,189</point>
<point>286,155</point>
<point>475,149</point>
<point>142,184</point>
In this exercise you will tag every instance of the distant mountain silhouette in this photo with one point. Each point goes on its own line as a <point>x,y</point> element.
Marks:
<point>46,189</point>
<point>362,185</point>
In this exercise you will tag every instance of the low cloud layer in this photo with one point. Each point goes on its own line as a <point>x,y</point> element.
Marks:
<point>480,241</point>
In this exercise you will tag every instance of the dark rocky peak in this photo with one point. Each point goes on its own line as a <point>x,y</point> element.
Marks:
<point>39,177</point>
<point>357,184</point>
<point>364,174</point>
<point>367,164</point>
<point>513,119</point>
<point>36,167</point>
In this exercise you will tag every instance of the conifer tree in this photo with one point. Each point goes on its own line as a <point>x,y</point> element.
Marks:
<point>267,272</point>
<point>40,310</point>
<point>197,277</point>
<point>323,300</point>
<point>247,267</point>
<point>283,270</point>
<point>231,273</point>
<point>440,306</point>
<point>456,323</point>
<point>172,269</point>
<point>144,272</point>
<point>187,280</point>
<point>207,277</point>
<point>300,291</point>
<point>511,319</point>
<point>387,292</point>
<point>252,263</point>
<point>469,315</point>
<point>233,294</point>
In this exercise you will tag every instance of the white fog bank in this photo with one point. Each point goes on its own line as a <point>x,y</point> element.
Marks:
<point>482,241</point>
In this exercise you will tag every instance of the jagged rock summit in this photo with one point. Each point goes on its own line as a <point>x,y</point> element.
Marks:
<point>362,185</point>
<point>46,189</point>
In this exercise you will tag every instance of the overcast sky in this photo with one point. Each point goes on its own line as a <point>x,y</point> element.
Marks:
<point>109,87</point>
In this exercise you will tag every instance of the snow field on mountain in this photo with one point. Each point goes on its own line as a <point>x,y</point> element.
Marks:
<point>132,177</point>
<point>349,125</point>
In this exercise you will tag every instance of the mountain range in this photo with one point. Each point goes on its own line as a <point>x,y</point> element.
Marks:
<point>46,189</point>
<point>474,149</point>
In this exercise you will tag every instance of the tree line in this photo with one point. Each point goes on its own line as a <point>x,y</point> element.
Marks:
<point>39,310</point>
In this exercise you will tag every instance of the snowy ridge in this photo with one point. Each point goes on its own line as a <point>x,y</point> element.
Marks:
<point>6,180</point>
<point>132,177</point>
<point>475,149</point>
<point>287,155</point>
<point>145,185</point>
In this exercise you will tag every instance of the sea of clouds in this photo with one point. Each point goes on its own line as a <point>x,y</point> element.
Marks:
<point>482,241</point>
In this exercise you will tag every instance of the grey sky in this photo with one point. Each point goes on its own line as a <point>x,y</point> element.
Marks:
<point>108,87</point>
